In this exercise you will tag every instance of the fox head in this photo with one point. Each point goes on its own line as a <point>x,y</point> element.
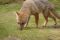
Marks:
<point>22,18</point>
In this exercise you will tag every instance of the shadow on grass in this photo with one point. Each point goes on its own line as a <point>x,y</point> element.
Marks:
<point>30,28</point>
<point>53,26</point>
<point>49,26</point>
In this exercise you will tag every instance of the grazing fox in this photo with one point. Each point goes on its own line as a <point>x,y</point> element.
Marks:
<point>35,7</point>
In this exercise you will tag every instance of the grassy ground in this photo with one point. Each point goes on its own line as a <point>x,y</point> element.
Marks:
<point>9,28</point>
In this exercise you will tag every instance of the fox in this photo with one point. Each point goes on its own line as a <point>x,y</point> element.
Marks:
<point>35,7</point>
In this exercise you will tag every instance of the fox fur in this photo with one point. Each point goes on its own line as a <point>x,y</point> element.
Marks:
<point>35,7</point>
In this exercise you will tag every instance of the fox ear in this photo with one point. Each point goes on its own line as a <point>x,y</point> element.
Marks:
<point>17,13</point>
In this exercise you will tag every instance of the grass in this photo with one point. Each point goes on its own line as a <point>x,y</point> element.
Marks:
<point>9,28</point>
<point>56,3</point>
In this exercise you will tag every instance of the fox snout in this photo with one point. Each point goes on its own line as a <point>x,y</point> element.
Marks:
<point>21,25</point>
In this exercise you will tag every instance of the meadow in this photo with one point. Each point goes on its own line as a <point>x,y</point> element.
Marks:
<point>9,28</point>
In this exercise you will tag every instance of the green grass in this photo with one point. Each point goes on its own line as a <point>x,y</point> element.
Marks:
<point>9,7</point>
<point>56,4</point>
<point>9,28</point>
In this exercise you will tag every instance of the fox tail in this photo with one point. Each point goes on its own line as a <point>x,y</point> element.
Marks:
<point>55,14</point>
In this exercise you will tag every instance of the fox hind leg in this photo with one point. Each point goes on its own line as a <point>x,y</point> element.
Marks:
<point>54,19</point>
<point>45,23</point>
<point>45,14</point>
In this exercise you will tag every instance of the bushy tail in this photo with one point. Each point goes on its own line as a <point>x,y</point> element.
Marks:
<point>54,13</point>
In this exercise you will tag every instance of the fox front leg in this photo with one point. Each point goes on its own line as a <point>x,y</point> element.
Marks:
<point>27,22</point>
<point>36,19</point>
